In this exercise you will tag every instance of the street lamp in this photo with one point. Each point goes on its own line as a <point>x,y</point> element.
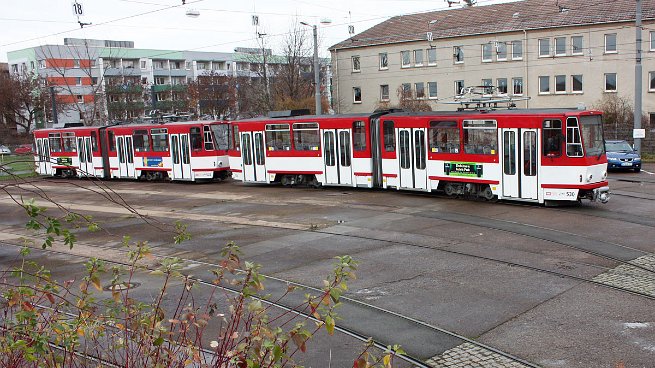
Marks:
<point>317,81</point>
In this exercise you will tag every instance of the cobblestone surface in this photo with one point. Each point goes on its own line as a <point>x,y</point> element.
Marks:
<point>468,355</point>
<point>632,278</point>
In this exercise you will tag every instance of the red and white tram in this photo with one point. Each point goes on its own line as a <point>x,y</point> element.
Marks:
<point>186,151</point>
<point>525,155</point>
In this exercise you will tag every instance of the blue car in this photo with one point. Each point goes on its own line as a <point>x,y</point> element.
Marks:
<point>621,156</point>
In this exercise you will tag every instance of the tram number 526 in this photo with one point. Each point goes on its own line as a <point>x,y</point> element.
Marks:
<point>77,9</point>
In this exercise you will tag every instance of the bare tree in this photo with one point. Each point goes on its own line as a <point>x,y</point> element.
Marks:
<point>618,115</point>
<point>408,102</point>
<point>213,94</point>
<point>23,99</point>
<point>293,86</point>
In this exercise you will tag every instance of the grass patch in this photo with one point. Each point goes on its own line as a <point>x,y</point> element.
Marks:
<point>648,157</point>
<point>18,165</point>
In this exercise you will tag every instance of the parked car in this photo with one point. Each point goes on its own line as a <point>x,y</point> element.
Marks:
<point>23,149</point>
<point>4,150</point>
<point>621,156</point>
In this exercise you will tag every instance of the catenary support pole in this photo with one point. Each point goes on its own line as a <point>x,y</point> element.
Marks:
<point>638,76</point>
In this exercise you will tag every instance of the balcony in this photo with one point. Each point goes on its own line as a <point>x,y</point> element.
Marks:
<point>124,88</point>
<point>168,87</point>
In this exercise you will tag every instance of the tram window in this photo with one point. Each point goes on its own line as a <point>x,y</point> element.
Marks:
<point>55,142</point>
<point>259,149</point>
<point>278,137</point>
<point>247,154</point>
<point>344,148</point>
<point>328,147</point>
<point>209,141</point>
<point>221,137</point>
<point>509,153</point>
<point>94,141</point>
<point>592,134</point>
<point>444,137</point>
<point>111,137</point>
<point>306,137</point>
<point>480,137</point>
<point>159,140</point>
<point>196,138</point>
<point>405,161</point>
<point>69,142</point>
<point>82,152</point>
<point>359,136</point>
<point>419,149</point>
<point>530,153</point>
<point>235,143</point>
<point>573,140</point>
<point>141,140</point>
<point>552,138</point>
<point>389,134</point>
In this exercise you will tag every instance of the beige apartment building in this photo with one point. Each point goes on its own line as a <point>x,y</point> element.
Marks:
<point>559,53</point>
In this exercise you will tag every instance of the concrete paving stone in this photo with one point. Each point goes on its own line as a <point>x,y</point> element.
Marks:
<point>473,356</point>
<point>628,276</point>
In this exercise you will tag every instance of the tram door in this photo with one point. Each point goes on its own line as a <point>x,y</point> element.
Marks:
<point>412,153</point>
<point>85,155</point>
<point>125,156</point>
<point>43,152</point>
<point>248,157</point>
<point>337,156</point>
<point>181,152</point>
<point>520,153</point>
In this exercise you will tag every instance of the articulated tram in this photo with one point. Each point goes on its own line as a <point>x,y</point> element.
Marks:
<point>187,151</point>
<point>525,155</point>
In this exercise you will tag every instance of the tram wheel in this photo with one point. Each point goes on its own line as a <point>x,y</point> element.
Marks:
<point>488,194</point>
<point>449,188</point>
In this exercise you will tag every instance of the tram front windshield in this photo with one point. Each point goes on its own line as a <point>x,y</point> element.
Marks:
<point>592,135</point>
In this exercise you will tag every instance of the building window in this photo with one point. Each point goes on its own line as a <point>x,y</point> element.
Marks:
<point>432,56</point>
<point>610,82</point>
<point>651,77</point>
<point>406,90</point>
<point>384,61</point>
<point>502,85</point>
<point>175,65</point>
<point>560,46</point>
<point>160,80</point>
<point>94,81</point>
<point>159,64</point>
<point>384,92</point>
<point>201,65</point>
<point>544,85</point>
<point>14,68</point>
<point>652,41</point>
<point>76,63</point>
<point>501,51</point>
<point>560,84</point>
<point>576,45</point>
<point>487,82</point>
<point>80,99</point>
<point>357,95</point>
<point>487,52</point>
<point>418,57</point>
<point>41,64</point>
<point>544,47</point>
<point>356,66</point>
<point>143,64</point>
<point>517,84</point>
<point>432,89</point>
<point>576,83</point>
<point>405,59</point>
<point>458,54</point>
<point>459,87</point>
<point>610,43</point>
<point>187,65</point>
<point>517,50</point>
<point>78,81</point>
<point>420,90</point>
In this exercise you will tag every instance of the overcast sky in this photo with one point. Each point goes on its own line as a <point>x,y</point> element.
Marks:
<point>221,26</point>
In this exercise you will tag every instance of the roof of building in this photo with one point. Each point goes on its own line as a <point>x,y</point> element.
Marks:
<point>498,18</point>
